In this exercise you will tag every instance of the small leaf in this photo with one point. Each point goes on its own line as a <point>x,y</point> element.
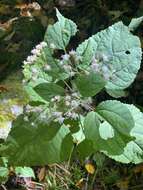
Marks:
<point>42,174</point>
<point>4,172</point>
<point>49,90</point>
<point>87,49</point>
<point>24,172</point>
<point>80,183</point>
<point>90,85</point>
<point>60,33</point>
<point>135,22</point>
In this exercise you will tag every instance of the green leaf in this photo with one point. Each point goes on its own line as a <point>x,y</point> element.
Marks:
<point>87,50</point>
<point>4,172</point>
<point>133,152</point>
<point>24,172</point>
<point>109,127</point>
<point>117,115</point>
<point>117,93</point>
<point>42,144</point>
<point>60,33</point>
<point>122,49</point>
<point>90,85</point>
<point>66,148</point>
<point>85,148</point>
<point>32,95</point>
<point>135,22</point>
<point>49,90</point>
<point>91,127</point>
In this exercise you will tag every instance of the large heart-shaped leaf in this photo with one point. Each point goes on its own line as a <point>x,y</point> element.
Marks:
<point>29,145</point>
<point>109,127</point>
<point>133,152</point>
<point>123,52</point>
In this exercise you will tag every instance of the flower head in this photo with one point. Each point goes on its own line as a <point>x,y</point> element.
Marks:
<point>72,52</point>
<point>47,67</point>
<point>52,46</point>
<point>65,57</point>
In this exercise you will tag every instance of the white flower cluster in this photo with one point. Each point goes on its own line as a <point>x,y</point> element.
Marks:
<point>72,101</point>
<point>72,54</point>
<point>4,131</point>
<point>5,125</point>
<point>100,63</point>
<point>52,46</point>
<point>56,99</point>
<point>73,104</point>
<point>42,115</point>
<point>16,110</point>
<point>47,67</point>
<point>71,114</point>
<point>68,60</point>
<point>29,109</point>
<point>59,117</point>
<point>86,104</point>
<point>35,53</point>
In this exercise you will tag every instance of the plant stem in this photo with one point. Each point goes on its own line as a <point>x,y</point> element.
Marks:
<point>86,184</point>
<point>93,180</point>
<point>69,161</point>
<point>3,187</point>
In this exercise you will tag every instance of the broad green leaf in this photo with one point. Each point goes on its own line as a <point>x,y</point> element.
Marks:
<point>122,49</point>
<point>117,93</point>
<point>135,22</point>
<point>133,152</point>
<point>49,90</point>
<point>90,85</point>
<point>29,145</point>
<point>60,33</point>
<point>24,172</point>
<point>32,95</point>
<point>117,115</point>
<point>85,148</point>
<point>112,133</point>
